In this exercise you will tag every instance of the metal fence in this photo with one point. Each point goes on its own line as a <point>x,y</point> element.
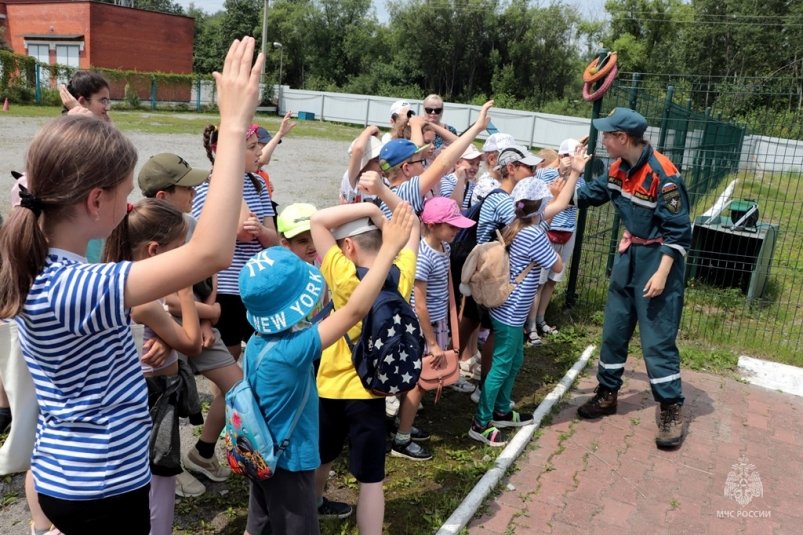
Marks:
<point>744,270</point>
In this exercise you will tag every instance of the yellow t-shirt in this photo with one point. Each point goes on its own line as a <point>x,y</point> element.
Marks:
<point>337,378</point>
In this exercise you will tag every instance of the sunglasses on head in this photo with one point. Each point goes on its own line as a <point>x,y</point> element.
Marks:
<point>436,111</point>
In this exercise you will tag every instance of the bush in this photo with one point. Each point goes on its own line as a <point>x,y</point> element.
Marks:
<point>130,96</point>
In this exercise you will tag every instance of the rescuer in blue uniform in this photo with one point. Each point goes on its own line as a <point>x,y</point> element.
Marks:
<point>646,283</point>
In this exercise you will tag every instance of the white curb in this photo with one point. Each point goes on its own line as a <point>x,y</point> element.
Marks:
<point>772,375</point>
<point>465,511</point>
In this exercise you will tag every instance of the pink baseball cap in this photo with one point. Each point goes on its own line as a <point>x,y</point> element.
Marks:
<point>444,210</point>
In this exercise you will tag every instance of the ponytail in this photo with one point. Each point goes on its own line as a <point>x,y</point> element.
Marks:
<point>24,251</point>
<point>210,142</point>
<point>150,220</point>
<point>117,246</point>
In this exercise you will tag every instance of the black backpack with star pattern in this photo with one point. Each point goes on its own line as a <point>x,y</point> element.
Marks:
<point>387,355</point>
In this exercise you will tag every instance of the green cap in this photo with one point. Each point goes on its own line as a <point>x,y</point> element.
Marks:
<point>622,120</point>
<point>294,219</point>
<point>165,170</point>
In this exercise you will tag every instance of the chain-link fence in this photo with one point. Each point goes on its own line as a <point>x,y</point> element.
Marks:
<point>744,270</point>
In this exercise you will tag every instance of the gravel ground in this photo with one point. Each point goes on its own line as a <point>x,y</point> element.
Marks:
<point>302,169</point>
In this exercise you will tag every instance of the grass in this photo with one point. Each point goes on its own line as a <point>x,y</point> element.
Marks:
<point>176,122</point>
<point>419,496</point>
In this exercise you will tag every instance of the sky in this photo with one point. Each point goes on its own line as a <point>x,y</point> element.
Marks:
<point>591,9</point>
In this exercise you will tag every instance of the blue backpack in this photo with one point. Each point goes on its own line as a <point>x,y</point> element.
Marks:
<point>387,356</point>
<point>251,450</point>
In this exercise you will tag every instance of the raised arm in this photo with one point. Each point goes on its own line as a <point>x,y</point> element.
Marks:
<point>323,221</point>
<point>395,234</point>
<point>361,145</point>
<point>449,156</point>
<point>561,200</point>
<point>212,244</point>
<point>285,127</point>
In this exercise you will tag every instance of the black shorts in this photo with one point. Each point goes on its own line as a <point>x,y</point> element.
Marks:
<point>129,510</point>
<point>363,422</point>
<point>468,307</point>
<point>233,325</point>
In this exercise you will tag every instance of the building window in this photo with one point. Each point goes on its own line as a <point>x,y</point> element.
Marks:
<point>42,55</point>
<point>67,55</point>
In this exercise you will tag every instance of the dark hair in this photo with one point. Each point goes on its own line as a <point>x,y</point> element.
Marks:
<point>85,84</point>
<point>523,207</point>
<point>148,220</point>
<point>67,159</point>
<point>210,141</point>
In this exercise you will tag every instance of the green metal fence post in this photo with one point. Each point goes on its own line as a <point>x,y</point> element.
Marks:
<point>670,92</point>
<point>571,285</point>
<point>153,93</point>
<point>37,92</point>
<point>198,94</point>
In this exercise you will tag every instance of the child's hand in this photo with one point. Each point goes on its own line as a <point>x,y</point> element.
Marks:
<point>287,123</point>
<point>484,118</point>
<point>371,183</point>
<point>252,225</point>
<point>580,159</point>
<point>154,352</point>
<point>415,120</point>
<point>556,186</point>
<point>238,85</point>
<point>67,99</point>
<point>461,170</point>
<point>565,166</point>
<point>396,232</point>
<point>372,130</point>
<point>438,358</point>
<point>207,335</point>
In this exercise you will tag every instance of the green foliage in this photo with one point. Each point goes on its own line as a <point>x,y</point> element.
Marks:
<point>130,96</point>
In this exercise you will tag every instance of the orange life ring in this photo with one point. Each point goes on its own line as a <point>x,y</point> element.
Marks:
<point>593,74</point>
<point>590,96</point>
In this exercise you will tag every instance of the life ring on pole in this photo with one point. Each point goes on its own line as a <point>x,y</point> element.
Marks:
<point>596,70</point>
<point>588,96</point>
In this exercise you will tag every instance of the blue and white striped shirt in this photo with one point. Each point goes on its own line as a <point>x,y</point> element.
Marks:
<point>530,244</point>
<point>259,203</point>
<point>432,267</point>
<point>566,220</point>
<point>94,426</point>
<point>449,183</point>
<point>496,213</point>
<point>410,192</point>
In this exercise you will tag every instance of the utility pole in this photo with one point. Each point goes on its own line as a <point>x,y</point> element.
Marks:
<point>264,79</point>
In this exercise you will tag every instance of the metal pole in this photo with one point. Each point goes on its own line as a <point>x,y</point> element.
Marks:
<point>281,65</point>
<point>264,45</point>
<point>670,92</point>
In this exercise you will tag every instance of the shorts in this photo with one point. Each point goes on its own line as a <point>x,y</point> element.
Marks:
<point>564,251</point>
<point>363,422</point>
<point>284,503</point>
<point>130,509</point>
<point>233,325</point>
<point>477,313</point>
<point>211,358</point>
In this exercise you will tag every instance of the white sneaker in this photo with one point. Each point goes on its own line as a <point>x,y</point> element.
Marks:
<point>391,406</point>
<point>475,396</point>
<point>463,386</point>
<point>187,486</point>
<point>471,368</point>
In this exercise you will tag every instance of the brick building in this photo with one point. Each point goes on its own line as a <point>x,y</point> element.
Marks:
<point>86,34</point>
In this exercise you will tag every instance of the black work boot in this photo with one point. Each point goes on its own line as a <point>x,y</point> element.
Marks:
<point>602,404</point>
<point>671,425</point>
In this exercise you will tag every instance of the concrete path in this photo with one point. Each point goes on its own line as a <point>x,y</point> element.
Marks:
<point>739,470</point>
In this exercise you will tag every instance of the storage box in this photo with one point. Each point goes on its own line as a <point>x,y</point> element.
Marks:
<point>306,116</point>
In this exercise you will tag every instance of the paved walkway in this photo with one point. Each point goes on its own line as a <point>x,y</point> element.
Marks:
<point>606,476</point>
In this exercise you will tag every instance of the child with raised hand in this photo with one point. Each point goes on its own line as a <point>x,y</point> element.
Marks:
<point>152,227</point>
<point>529,249</point>
<point>279,291</point>
<point>348,236</point>
<point>74,318</point>
<point>255,232</point>
<point>363,156</point>
<point>403,165</point>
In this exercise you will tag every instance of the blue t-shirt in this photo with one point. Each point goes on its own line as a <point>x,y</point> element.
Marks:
<point>496,213</point>
<point>279,385</point>
<point>258,202</point>
<point>94,426</point>
<point>432,267</point>
<point>530,244</point>
<point>438,141</point>
<point>410,192</point>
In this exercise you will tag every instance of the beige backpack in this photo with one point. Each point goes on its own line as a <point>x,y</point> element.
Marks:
<point>486,273</point>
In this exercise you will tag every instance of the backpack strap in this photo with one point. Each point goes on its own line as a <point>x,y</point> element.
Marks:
<point>322,313</point>
<point>453,317</point>
<point>296,417</point>
<point>526,270</point>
